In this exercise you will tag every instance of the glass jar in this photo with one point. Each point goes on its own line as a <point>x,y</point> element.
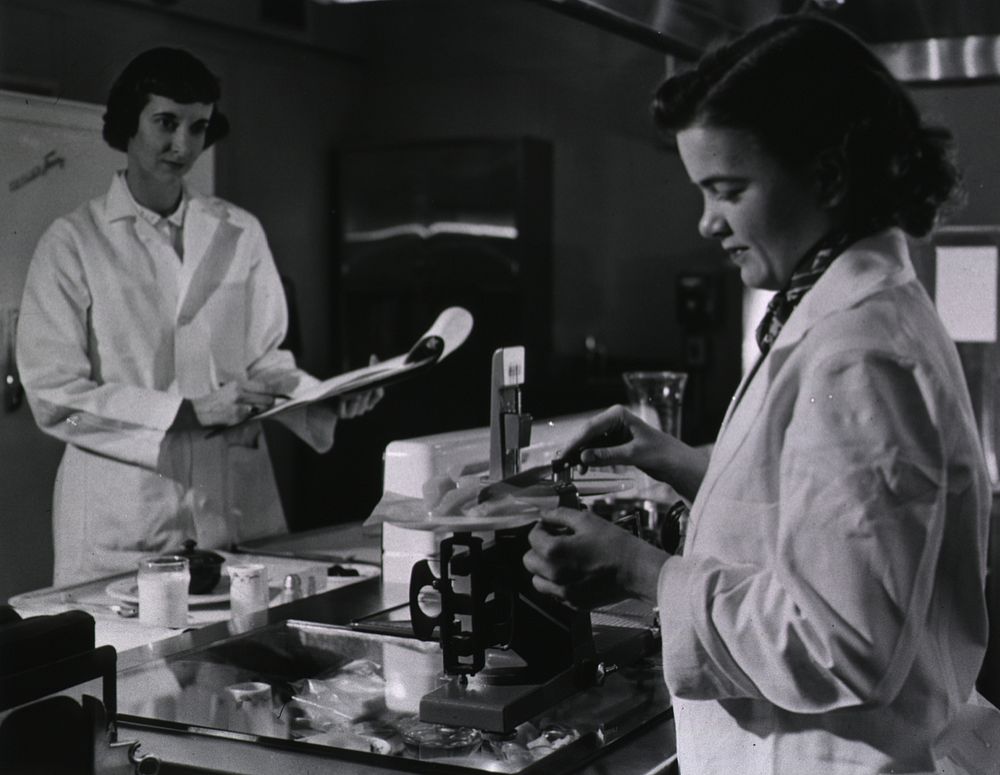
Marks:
<point>163,590</point>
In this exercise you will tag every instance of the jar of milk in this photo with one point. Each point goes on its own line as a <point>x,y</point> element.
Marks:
<point>163,590</point>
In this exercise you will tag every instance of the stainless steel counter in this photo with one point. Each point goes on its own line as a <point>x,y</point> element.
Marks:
<point>647,748</point>
<point>642,746</point>
<point>159,673</point>
<point>648,751</point>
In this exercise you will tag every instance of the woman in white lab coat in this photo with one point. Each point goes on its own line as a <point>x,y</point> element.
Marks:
<point>150,335</point>
<point>827,614</point>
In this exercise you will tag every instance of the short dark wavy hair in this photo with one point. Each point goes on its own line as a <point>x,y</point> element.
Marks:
<point>167,72</point>
<point>816,97</point>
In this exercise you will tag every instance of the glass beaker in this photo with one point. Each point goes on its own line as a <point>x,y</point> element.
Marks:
<point>657,397</point>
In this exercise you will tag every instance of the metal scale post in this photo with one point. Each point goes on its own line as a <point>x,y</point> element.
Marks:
<point>510,428</point>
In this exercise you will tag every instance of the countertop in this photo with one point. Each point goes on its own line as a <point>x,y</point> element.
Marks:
<point>345,545</point>
<point>648,750</point>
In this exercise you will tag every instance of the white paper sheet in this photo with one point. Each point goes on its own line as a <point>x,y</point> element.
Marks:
<point>966,291</point>
<point>451,328</point>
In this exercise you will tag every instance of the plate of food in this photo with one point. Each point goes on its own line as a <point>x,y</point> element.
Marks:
<point>465,523</point>
<point>127,591</point>
<point>471,503</point>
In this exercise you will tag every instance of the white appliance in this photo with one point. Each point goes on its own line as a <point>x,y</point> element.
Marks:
<point>411,462</point>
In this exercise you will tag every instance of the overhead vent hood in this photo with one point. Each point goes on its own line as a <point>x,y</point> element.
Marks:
<point>929,40</point>
<point>682,28</point>
<point>920,40</point>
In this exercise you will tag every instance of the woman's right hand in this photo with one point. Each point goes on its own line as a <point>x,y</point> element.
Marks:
<point>587,561</point>
<point>618,437</point>
<point>233,402</point>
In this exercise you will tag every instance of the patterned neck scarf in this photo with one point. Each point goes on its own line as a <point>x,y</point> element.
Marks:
<point>816,261</point>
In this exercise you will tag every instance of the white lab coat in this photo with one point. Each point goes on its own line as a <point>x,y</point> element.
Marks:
<point>114,331</point>
<point>828,613</point>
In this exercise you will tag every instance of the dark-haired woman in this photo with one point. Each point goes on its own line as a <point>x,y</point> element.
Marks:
<point>151,314</point>
<point>827,614</point>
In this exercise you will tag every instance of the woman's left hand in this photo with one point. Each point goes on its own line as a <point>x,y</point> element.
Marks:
<point>587,561</point>
<point>357,404</point>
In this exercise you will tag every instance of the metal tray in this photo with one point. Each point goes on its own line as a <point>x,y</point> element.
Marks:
<point>278,695</point>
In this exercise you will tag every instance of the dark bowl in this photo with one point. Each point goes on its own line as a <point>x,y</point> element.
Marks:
<point>206,568</point>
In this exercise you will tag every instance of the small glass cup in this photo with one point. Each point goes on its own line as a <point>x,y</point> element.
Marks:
<point>163,590</point>
<point>657,397</point>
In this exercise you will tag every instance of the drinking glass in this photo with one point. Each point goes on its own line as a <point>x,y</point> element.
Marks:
<point>657,397</point>
<point>163,590</point>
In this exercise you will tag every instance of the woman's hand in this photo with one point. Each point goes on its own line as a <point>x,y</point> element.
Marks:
<point>233,402</point>
<point>587,561</point>
<point>356,404</point>
<point>618,437</point>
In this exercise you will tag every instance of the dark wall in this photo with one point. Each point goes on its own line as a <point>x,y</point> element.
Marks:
<point>972,112</point>
<point>623,209</point>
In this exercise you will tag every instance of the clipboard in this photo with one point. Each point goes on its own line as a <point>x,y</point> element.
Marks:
<point>446,334</point>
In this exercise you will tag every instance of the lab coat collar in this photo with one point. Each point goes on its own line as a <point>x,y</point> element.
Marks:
<point>201,224</point>
<point>202,216</point>
<point>206,221</point>
<point>870,265</point>
<point>119,202</point>
<point>208,229</point>
<point>152,217</point>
